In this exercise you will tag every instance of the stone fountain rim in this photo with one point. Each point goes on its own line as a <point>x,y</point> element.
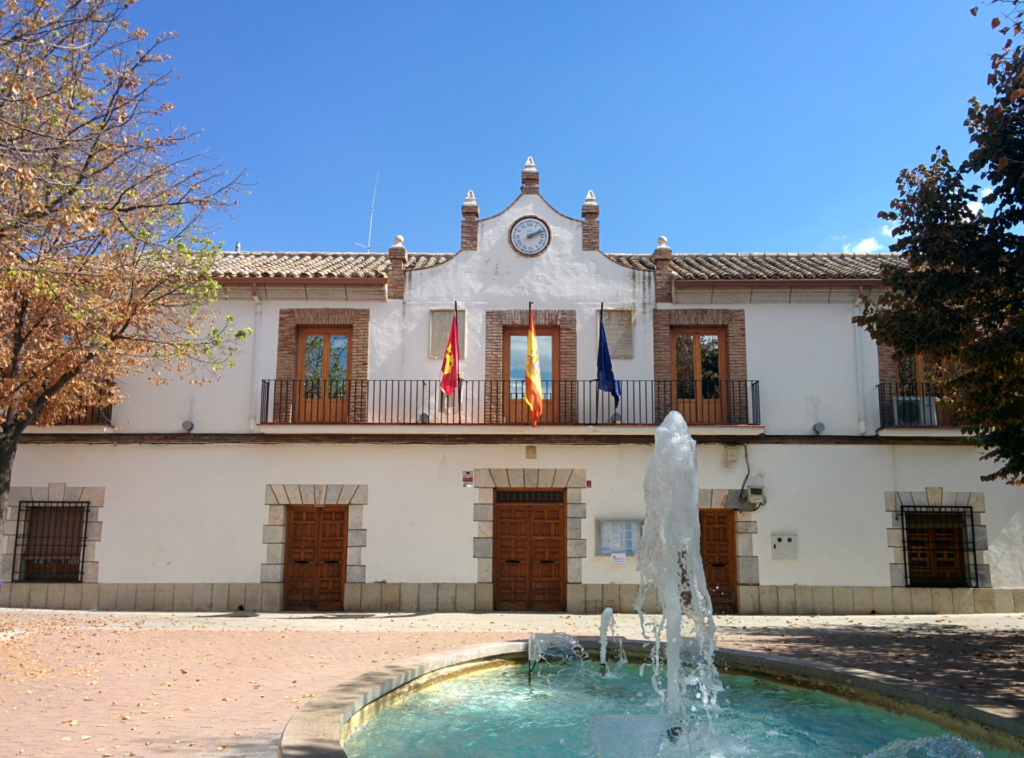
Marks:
<point>315,730</point>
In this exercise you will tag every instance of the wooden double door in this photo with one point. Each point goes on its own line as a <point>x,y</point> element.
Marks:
<point>316,557</point>
<point>529,550</point>
<point>718,554</point>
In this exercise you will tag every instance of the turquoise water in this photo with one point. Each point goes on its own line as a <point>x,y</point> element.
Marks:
<point>572,711</point>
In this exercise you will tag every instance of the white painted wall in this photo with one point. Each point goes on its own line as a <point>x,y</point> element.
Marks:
<point>195,513</point>
<point>803,355</point>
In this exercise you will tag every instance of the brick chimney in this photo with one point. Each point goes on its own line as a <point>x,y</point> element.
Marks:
<point>531,179</point>
<point>470,223</point>
<point>591,226</point>
<point>663,271</point>
<point>399,258</point>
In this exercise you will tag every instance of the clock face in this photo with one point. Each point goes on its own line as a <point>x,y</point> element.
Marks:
<point>529,236</point>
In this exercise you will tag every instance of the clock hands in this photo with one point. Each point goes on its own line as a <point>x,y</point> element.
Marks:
<point>534,234</point>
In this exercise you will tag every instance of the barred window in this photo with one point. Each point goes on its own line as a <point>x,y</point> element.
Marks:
<point>50,542</point>
<point>938,546</point>
<point>530,496</point>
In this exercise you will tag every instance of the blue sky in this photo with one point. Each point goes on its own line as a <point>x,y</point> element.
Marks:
<point>767,127</point>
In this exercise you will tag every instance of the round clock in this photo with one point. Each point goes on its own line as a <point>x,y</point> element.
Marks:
<point>529,236</point>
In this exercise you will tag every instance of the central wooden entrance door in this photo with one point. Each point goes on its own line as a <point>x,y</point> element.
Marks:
<point>529,550</point>
<point>316,557</point>
<point>718,554</point>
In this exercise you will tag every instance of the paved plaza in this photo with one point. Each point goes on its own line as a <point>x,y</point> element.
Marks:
<point>157,684</point>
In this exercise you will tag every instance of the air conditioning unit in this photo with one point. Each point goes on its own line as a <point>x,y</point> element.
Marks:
<point>913,411</point>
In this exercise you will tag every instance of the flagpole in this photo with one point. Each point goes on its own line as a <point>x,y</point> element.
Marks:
<point>458,374</point>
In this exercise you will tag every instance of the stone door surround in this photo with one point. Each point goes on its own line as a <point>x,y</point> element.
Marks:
<point>278,498</point>
<point>572,480</point>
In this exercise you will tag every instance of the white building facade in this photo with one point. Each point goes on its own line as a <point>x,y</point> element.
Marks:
<point>328,472</point>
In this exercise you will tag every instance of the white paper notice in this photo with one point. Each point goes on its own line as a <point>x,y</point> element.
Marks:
<point>613,537</point>
<point>618,557</point>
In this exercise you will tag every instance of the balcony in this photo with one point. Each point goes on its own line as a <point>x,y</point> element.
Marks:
<point>913,405</point>
<point>89,416</point>
<point>642,402</point>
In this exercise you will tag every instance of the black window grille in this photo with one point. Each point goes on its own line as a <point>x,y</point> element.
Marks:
<point>938,546</point>
<point>49,545</point>
<point>531,496</point>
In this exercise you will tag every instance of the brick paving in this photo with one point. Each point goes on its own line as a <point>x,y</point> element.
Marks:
<point>157,684</point>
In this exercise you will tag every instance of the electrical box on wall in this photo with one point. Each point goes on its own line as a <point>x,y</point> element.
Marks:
<point>784,546</point>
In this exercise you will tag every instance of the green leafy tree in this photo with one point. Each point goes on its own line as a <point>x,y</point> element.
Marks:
<point>957,292</point>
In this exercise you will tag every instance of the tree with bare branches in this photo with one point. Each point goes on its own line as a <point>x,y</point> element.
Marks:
<point>105,255</point>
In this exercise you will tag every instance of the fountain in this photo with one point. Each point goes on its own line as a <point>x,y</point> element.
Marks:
<point>552,648</point>
<point>607,624</point>
<point>570,709</point>
<point>669,563</point>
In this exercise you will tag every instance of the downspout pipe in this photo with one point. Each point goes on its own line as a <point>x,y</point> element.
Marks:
<point>861,413</point>
<point>255,361</point>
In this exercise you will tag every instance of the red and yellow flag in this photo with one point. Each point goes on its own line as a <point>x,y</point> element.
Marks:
<point>450,363</point>
<point>534,394</point>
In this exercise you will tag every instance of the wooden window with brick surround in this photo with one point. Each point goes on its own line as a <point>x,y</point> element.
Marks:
<point>886,364</point>
<point>494,354</point>
<point>293,320</point>
<point>515,409</point>
<point>701,369</point>
<point>731,323</point>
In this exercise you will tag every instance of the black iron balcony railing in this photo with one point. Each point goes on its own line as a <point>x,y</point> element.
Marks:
<point>88,416</point>
<point>913,404</point>
<point>479,401</point>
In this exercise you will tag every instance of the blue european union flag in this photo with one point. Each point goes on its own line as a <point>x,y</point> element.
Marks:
<point>605,376</point>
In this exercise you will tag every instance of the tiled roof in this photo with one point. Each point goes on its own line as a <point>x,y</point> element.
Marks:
<point>688,267</point>
<point>318,265</point>
<point>751,266</point>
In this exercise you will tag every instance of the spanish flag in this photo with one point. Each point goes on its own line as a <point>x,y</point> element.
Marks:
<point>450,367</point>
<point>534,396</point>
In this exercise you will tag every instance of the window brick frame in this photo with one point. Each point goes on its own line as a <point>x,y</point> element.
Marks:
<point>291,320</point>
<point>494,348</point>
<point>735,325</point>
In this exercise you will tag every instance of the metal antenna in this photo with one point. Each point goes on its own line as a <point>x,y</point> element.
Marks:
<point>373,201</point>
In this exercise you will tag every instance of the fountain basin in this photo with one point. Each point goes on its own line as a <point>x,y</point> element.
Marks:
<point>325,724</point>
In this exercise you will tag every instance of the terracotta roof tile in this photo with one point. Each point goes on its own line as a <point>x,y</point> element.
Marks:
<point>688,267</point>
<point>752,266</point>
<point>318,265</point>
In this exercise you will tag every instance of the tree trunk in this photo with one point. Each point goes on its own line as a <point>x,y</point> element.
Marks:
<point>9,437</point>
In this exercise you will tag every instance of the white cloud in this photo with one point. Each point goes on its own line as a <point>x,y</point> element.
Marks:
<point>870,245</point>
<point>976,206</point>
<point>887,230</point>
